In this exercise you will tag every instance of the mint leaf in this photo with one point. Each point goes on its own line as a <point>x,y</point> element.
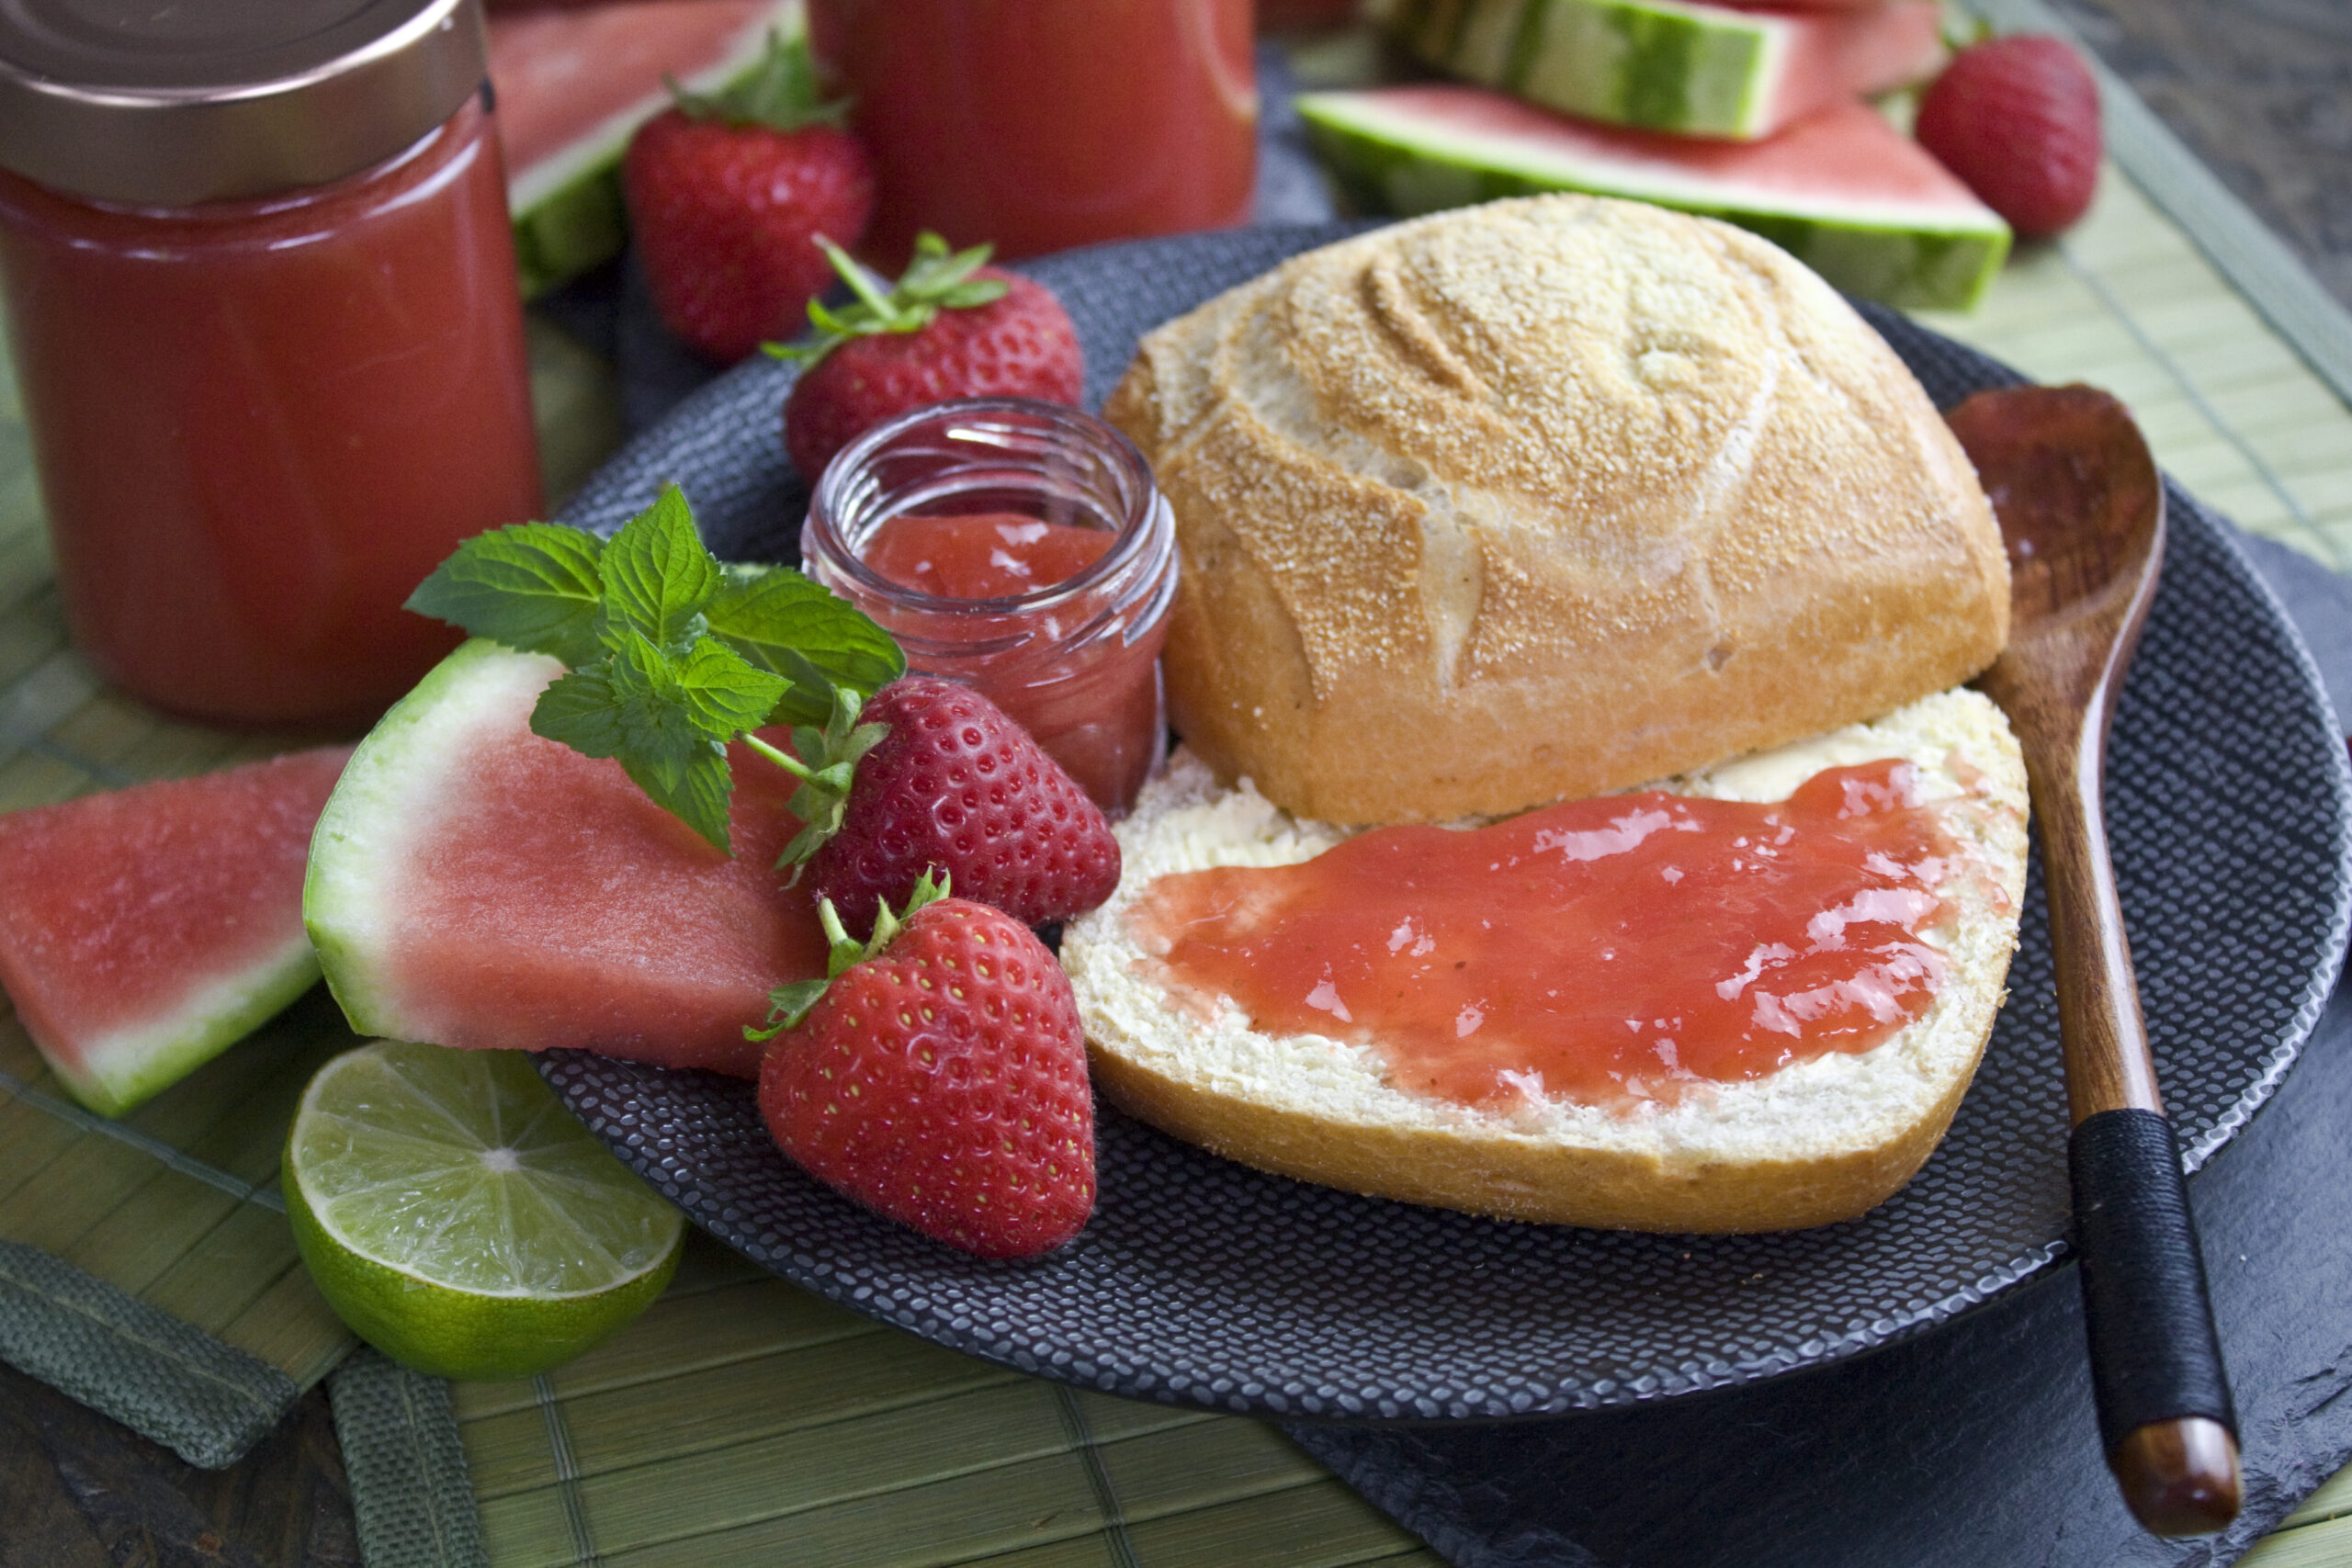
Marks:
<point>780,621</point>
<point>725,693</point>
<point>533,586</point>
<point>658,576</point>
<point>662,718</point>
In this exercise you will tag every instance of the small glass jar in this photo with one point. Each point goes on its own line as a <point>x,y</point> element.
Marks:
<point>261,289</point>
<point>1075,662</point>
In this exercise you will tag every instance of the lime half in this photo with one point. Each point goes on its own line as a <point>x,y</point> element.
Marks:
<point>460,1221</point>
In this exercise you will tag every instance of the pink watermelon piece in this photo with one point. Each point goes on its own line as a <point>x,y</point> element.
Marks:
<point>1841,190</point>
<point>475,885</point>
<point>143,931</point>
<point>574,82</point>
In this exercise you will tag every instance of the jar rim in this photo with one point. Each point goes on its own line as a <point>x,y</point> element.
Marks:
<point>1128,545</point>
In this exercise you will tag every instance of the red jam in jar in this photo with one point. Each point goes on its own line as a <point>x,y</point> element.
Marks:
<point>1042,124</point>
<point>272,367</point>
<point>1021,548</point>
<point>984,555</point>
<point>1605,951</point>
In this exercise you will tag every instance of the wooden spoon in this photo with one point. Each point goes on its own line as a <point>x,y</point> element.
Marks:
<point>2082,514</point>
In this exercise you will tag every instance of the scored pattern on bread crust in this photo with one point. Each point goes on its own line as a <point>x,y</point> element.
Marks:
<point>1821,1140</point>
<point>1454,491</point>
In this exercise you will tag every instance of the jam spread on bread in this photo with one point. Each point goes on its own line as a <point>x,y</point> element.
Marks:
<point>989,555</point>
<point>1606,951</point>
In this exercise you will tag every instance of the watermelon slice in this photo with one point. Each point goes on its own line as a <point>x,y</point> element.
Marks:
<point>1679,65</point>
<point>574,84</point>
<point>473,884</point>
<point>1841,190</point>
<point>143,932</point>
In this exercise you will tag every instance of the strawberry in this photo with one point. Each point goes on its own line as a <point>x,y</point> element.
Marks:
<point>2017,119</point>
<point>939,1078</point>
<point>944,779</point>
<point>726,194</point>
<point>951,327</point>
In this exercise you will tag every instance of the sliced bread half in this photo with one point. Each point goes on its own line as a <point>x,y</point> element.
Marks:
<point>1817,1141</point>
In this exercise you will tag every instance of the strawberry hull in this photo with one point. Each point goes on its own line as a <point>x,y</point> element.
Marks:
<point>144,931</point>
<point>1842,190</point>
<point>475,885</point>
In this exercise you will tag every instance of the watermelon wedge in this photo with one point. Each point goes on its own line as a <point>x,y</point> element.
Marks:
<point>573,84</point>
<point>473,884</point>
<point>143,932</point>
<point>1841,190</point>
<point>1680,65</point>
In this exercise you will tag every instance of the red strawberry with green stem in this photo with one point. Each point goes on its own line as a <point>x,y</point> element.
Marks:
<point>727,193</point>
<point>2017,119</point>
<point>938,1077</point>
<point>932,775</point>
<point>953,327</point>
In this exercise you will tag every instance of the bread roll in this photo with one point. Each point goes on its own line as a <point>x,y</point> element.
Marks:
<point>1817,1141</point>
<point>1542,499</point>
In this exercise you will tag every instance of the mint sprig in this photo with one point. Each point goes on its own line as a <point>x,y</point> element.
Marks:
<point>671,656</point>
<point>937,279</point>
<point>787,1004</point>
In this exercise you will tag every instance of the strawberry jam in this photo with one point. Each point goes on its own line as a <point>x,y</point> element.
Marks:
<point>989,555</point>
<point>1606,951</point>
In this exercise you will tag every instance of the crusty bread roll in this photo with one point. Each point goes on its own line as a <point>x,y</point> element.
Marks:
<point>1815,1142</point>
<point>1542,499</point>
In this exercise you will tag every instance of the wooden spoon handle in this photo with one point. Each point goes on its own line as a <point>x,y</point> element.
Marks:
<point>2166,1417</point>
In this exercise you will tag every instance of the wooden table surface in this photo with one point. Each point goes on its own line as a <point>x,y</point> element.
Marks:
<point>2260,89</point>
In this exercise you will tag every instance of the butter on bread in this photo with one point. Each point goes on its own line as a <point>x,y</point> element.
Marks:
<point>1815,1142</point>
<point>1542,498</point>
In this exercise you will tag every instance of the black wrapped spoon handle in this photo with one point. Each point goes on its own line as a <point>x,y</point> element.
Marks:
<point>2164,1413</point>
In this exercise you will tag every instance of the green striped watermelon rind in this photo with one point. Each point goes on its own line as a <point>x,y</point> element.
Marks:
<point>120,1071</point>
<point>1645,62</point>
<point>414,756</point>
<point>1382,165</point>
<point>568,214</point>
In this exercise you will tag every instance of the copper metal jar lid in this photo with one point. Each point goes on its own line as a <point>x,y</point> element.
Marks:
<point>154,104</point>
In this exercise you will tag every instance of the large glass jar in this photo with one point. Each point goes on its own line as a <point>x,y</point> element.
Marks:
<point>261,291</point>
<point>1075,661</point>
<point>1036,125</point>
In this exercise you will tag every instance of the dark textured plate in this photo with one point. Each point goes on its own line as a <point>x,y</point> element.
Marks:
<point>1200,1281</point>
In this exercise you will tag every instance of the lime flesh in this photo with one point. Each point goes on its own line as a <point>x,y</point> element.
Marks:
<point>460,1221</point>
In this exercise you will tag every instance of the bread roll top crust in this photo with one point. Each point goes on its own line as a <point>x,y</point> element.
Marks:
<point>1542,499</point>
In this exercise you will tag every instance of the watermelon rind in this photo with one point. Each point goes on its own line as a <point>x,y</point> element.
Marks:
<point>123,1069</point>
<point>567,213</point>
<point>1388,160</point>
<point>1684,66</point>
<point>411,762</point>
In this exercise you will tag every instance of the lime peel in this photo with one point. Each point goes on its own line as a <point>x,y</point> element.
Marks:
<point>457,1219</point>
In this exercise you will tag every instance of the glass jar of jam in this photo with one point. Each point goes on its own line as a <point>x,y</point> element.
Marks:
<point>1021,548</point>
<point>261,290</point>
<point>1036,125</point>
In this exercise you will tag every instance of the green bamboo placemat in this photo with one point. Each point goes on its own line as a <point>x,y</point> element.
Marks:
<point>145,1267</point>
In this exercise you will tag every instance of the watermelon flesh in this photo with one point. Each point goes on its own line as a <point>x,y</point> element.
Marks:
<point>1683,66</point>
<point>143,931</point>
<point>1841,190</point>
<point>472,884</point>
<point>573,84</point>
